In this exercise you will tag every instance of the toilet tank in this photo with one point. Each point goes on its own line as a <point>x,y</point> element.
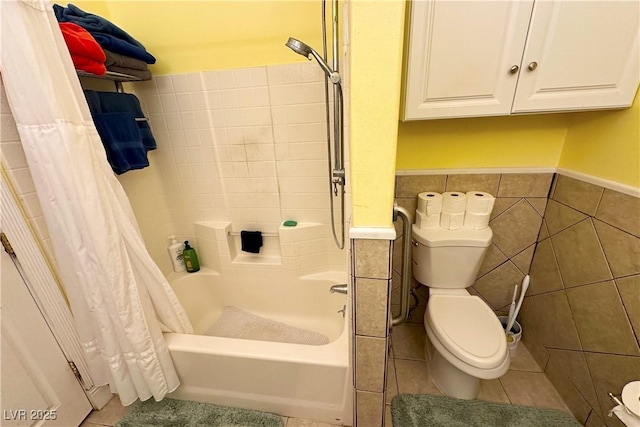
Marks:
<point>448,258</point>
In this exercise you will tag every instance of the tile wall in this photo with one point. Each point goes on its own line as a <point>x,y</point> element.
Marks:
<point>371,280</point>
<point>582,316</point>
<point>246,146</point>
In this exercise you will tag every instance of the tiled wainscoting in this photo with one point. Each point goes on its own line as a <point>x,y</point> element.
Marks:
<point>580,243</point>
<point>371,279</point>
<point>581,319</point>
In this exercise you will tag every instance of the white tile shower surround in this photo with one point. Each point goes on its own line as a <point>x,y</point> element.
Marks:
<point>244,145</point>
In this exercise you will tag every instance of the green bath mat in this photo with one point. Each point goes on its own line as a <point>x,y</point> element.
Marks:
<point>185,413</point>
<point>423,410</point>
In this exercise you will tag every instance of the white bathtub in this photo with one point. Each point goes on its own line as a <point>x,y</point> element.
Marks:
<point>305,381</point>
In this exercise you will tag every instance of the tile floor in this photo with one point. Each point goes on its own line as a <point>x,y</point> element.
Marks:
<point>523,384</point>
<point>407,372</point>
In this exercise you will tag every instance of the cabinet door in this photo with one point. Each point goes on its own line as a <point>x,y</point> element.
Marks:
<point>460,57</point>
<point>586,53</point>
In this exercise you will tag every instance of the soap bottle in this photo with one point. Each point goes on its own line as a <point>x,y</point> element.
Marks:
<point>175,252</point>
<point>190,258</point>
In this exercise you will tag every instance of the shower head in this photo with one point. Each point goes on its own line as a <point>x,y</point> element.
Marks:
<point>303,49</point>
<point>298,47</point>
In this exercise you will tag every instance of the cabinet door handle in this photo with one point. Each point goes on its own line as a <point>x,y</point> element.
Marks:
<point>514,69</point>
<point>532,66</point>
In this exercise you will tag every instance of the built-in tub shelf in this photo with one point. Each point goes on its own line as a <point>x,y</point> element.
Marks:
<point>220,241</point>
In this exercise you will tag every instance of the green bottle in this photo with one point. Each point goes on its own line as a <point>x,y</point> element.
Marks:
<point>190,258</point>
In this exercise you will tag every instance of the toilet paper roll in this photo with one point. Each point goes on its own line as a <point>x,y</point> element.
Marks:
<point>451,221</point>
<point>427,221</point>
<point>454,202</point>
<point>430,203</point>
<point>629,419</point>
<point>479,202</point>
<point>475,221</point>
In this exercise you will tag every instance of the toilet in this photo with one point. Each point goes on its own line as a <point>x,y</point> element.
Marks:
<point>466,341</point>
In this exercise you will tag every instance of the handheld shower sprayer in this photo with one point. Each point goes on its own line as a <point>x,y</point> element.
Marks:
<point>303,49</point>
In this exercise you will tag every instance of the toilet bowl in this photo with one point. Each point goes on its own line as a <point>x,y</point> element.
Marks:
<point>466,341</point>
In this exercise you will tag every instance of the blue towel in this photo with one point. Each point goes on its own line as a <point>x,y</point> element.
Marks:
<point>121,140</point>
<point>91,22</point>
<point>114,102</point>
<point>123,47</point>
<point>126,141</point>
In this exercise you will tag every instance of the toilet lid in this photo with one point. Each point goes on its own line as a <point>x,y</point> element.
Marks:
<point>468,328</point>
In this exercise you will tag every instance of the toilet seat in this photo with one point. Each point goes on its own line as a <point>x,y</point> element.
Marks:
<point>468,328</point>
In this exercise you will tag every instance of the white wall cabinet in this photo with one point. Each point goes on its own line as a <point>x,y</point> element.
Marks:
<point>489,58</point>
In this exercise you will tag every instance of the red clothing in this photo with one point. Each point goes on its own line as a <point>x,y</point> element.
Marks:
<point>86,53</point>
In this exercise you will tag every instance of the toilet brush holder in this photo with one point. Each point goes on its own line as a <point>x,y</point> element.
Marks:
<point>514,337</point>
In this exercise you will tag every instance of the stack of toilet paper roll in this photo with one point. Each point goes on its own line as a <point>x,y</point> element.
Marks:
<point>454,210</point>
<point>478,210</point>
<point>429,209</point>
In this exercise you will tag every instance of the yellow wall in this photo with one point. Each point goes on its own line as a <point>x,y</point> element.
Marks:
<point>188,36</point>
<point>483,142</point>
<point>376,31</point>
<point>605,144</point>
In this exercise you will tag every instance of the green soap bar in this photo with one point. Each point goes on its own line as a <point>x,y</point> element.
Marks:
<point>290,223</point>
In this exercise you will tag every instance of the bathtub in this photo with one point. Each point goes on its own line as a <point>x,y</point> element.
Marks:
<point>294,380</point>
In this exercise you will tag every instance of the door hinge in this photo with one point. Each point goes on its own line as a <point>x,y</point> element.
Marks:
<point>6,244</point>
<point>75,371</point>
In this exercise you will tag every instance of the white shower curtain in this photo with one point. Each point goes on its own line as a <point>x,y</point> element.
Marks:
<point>120,300</point>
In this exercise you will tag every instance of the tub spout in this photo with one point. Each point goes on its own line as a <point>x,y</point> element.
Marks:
<point>341,289</point>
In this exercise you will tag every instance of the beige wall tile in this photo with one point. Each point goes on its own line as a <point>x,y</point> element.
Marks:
<point>370,363</point>
<point>372,258</point>
<point>558,217</point>
<point>621,249</point>
<point>557,328</point>
<point>538,203</point>
<point>620,210</point>
<point>524,258</point>
<point>569,373</point>
<point>629,288</point>
<point>371,307</point>
<point>544,231</point>
<point>610,373</point>
<point>497,286</point>
<point>493,258</point>
<point>594,421</point>
<point>600,319</point>
<point>411,185</point>
<point>370,407</point>
<point>545,275</point>
<point>531,389</point>
<point>571,395</point>
<point>579,195</point>
<point>525,185</point>
<point>502,204</point>
<point>580,256</point>
<point>473,182</point>
<point>516,229</point>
